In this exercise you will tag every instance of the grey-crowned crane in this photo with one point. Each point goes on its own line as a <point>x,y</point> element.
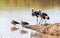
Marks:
<point>40,14</point>
<point>36,13</point>
<point>44,16</point>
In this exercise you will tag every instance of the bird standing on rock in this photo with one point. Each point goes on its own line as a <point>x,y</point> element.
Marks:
<point>41,15</point>
<point>36,13</point>
<point>24,23</point>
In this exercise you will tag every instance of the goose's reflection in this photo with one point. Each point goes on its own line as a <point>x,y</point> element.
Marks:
<point>35,35</point>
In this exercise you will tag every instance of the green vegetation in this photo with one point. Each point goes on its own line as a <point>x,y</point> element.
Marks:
<point>42,4</point>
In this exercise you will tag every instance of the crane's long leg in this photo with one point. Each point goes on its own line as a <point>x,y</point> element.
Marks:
<point>37,20</point>
<point>40,21</point>
<point>45,21</point>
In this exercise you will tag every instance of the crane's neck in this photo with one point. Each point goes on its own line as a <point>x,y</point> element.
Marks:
<point>39,12</point>
<point>32,10</point>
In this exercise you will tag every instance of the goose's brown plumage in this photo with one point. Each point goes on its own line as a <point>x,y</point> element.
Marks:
<point>14,22</point>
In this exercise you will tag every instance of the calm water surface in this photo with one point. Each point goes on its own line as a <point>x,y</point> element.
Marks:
<point>7,15</point>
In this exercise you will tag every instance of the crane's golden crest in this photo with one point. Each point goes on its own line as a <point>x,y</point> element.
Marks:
<point>46,16</point>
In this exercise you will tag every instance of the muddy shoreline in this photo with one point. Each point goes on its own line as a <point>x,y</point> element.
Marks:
<point>46,31</point>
